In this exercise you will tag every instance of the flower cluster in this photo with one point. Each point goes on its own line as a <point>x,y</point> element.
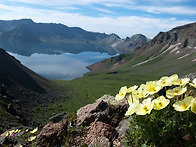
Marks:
<point>159,94</point>
<point>29,135</point>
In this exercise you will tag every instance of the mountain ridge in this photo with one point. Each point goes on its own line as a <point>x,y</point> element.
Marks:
<point>178,43</point>
<point>29,37</point>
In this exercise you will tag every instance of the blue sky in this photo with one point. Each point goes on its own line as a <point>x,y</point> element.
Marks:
<point>122,17</point>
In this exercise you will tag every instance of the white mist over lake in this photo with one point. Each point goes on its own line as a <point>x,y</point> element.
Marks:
<point>61,67</point>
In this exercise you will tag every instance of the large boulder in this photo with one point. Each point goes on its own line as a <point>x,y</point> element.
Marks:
<point>99,110</point>
<point>99,129</point>
<point>102,110</point>
<point>52,134</point>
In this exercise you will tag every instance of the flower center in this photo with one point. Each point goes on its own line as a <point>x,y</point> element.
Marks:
<point>184,106</point>
<point>160,104</point>
<point>152,89</point>
<point>145,108</point>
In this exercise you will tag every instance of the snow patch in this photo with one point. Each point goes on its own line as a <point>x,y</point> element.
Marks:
<point>141,63</point>
<point>177,52</point>
<point>183,56</point>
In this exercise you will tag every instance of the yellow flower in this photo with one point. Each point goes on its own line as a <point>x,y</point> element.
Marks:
<point>137,94</point>
<point>173,78</point>
<point>152,87</point>
<point>165,81</point>
<point>26,130</point>
<point>16,131</point>
<point>145,107</point>
<point>183,105</point>
<point>7,134</point>
<point>193,106</point>
<point>131,89</point>
<point>181,82</point>
<point>193,84</point>
<point>31,138</point>
<point>160,103</point>
<point>33,131</point>
<point>121,93</point>
<point>131,109</point>
<point>175,91</point>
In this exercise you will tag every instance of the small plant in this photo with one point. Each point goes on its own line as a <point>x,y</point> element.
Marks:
<point>24,136</point>
<point>163,111</point>
<point>73,131</point>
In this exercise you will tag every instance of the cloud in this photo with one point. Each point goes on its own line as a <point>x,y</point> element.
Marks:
<point>178,10</point>
<point>71,2</point>
<point>123,26</point>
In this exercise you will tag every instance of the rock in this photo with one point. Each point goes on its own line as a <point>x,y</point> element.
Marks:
<point>3,138</point>
<point>108,98</point>
<point>52,134</point>
<point>100,129</point>
<point>118,143</point>
<point>98,110</point>
<point>100,142</point>
<point>123,126</point>
<point>57,118</point>
<point>103,111</point>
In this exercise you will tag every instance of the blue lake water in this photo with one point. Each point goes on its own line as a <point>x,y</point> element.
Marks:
<point>65,66</point>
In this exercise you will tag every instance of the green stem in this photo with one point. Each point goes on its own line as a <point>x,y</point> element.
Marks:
<point>187,121</point>
<point>150,127</point>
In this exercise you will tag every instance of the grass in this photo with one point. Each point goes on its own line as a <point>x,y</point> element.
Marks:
<point>95,84</point>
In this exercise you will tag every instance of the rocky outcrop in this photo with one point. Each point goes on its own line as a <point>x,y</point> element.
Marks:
<point>100,111</point>
<point>101,118</point>
<point>97,124</point>
<point>52,134</point>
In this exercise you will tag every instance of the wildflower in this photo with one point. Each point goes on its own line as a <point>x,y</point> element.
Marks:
<point>145,107</point>
<point>31,138</point>
<point>131,89</point>
<point>165,81</point>
<point>183,105</point>
<point>160,103</point>
<point>16,131</point>
<point>181,82</point>
<point>193,106</point>
<point>26,130</point>
<point>122,93</point>
<point>33,131</point>
<point>173,78</point>
<point>140,93</point>
<point>193,84</point>
<point>131,109</point>
<point>175,91</point>
<point>152,87</point>
<point>7,134</point>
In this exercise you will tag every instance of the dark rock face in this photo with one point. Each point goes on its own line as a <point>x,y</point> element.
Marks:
<point>52,134</point>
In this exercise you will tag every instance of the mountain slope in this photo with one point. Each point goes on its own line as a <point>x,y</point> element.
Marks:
<point>27,37</point>
<point>22,89</point>
<point>168,52</point>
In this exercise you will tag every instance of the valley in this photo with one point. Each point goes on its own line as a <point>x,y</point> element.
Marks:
<point>38,98</point>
